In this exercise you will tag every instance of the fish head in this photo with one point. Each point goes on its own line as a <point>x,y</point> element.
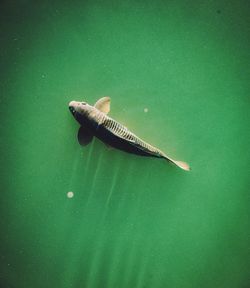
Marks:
<point>81,111</point>
<point>79,107</point>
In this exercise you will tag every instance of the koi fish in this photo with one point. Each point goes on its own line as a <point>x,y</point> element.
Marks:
<point>94,121</point>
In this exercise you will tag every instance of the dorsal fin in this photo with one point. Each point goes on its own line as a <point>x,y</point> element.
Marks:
<point>103,105</point>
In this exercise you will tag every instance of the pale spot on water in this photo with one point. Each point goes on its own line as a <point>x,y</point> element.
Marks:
<point>70,194</point>
<point>146,110</point>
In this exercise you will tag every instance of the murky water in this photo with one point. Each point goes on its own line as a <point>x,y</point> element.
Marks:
<point>177,74</point>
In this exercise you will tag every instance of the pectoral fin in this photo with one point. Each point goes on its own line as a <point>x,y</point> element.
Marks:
<point>103,105</point>
<point>84,136</point>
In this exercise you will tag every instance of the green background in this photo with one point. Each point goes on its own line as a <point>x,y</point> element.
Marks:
<point>133,221</point>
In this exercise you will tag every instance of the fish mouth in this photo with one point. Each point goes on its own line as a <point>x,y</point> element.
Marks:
<point>72,106</point>
<point>72,110</point>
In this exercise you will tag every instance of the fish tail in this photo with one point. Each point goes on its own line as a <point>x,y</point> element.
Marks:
<point>180,164</point>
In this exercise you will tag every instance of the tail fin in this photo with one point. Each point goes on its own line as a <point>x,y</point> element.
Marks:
<point>181,164</point>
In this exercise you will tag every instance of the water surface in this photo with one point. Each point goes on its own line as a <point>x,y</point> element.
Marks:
<point>131,221</point>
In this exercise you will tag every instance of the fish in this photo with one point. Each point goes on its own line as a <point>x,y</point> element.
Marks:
<point>95,122</point>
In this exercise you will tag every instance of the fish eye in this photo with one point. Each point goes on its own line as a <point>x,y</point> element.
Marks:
<point>83,103</point>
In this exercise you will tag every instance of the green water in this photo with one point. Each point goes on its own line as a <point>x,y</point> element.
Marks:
<point>133,221</point>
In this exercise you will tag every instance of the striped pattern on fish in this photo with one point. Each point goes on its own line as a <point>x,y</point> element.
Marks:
<point>121,131</point>
<point>94,121</point>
